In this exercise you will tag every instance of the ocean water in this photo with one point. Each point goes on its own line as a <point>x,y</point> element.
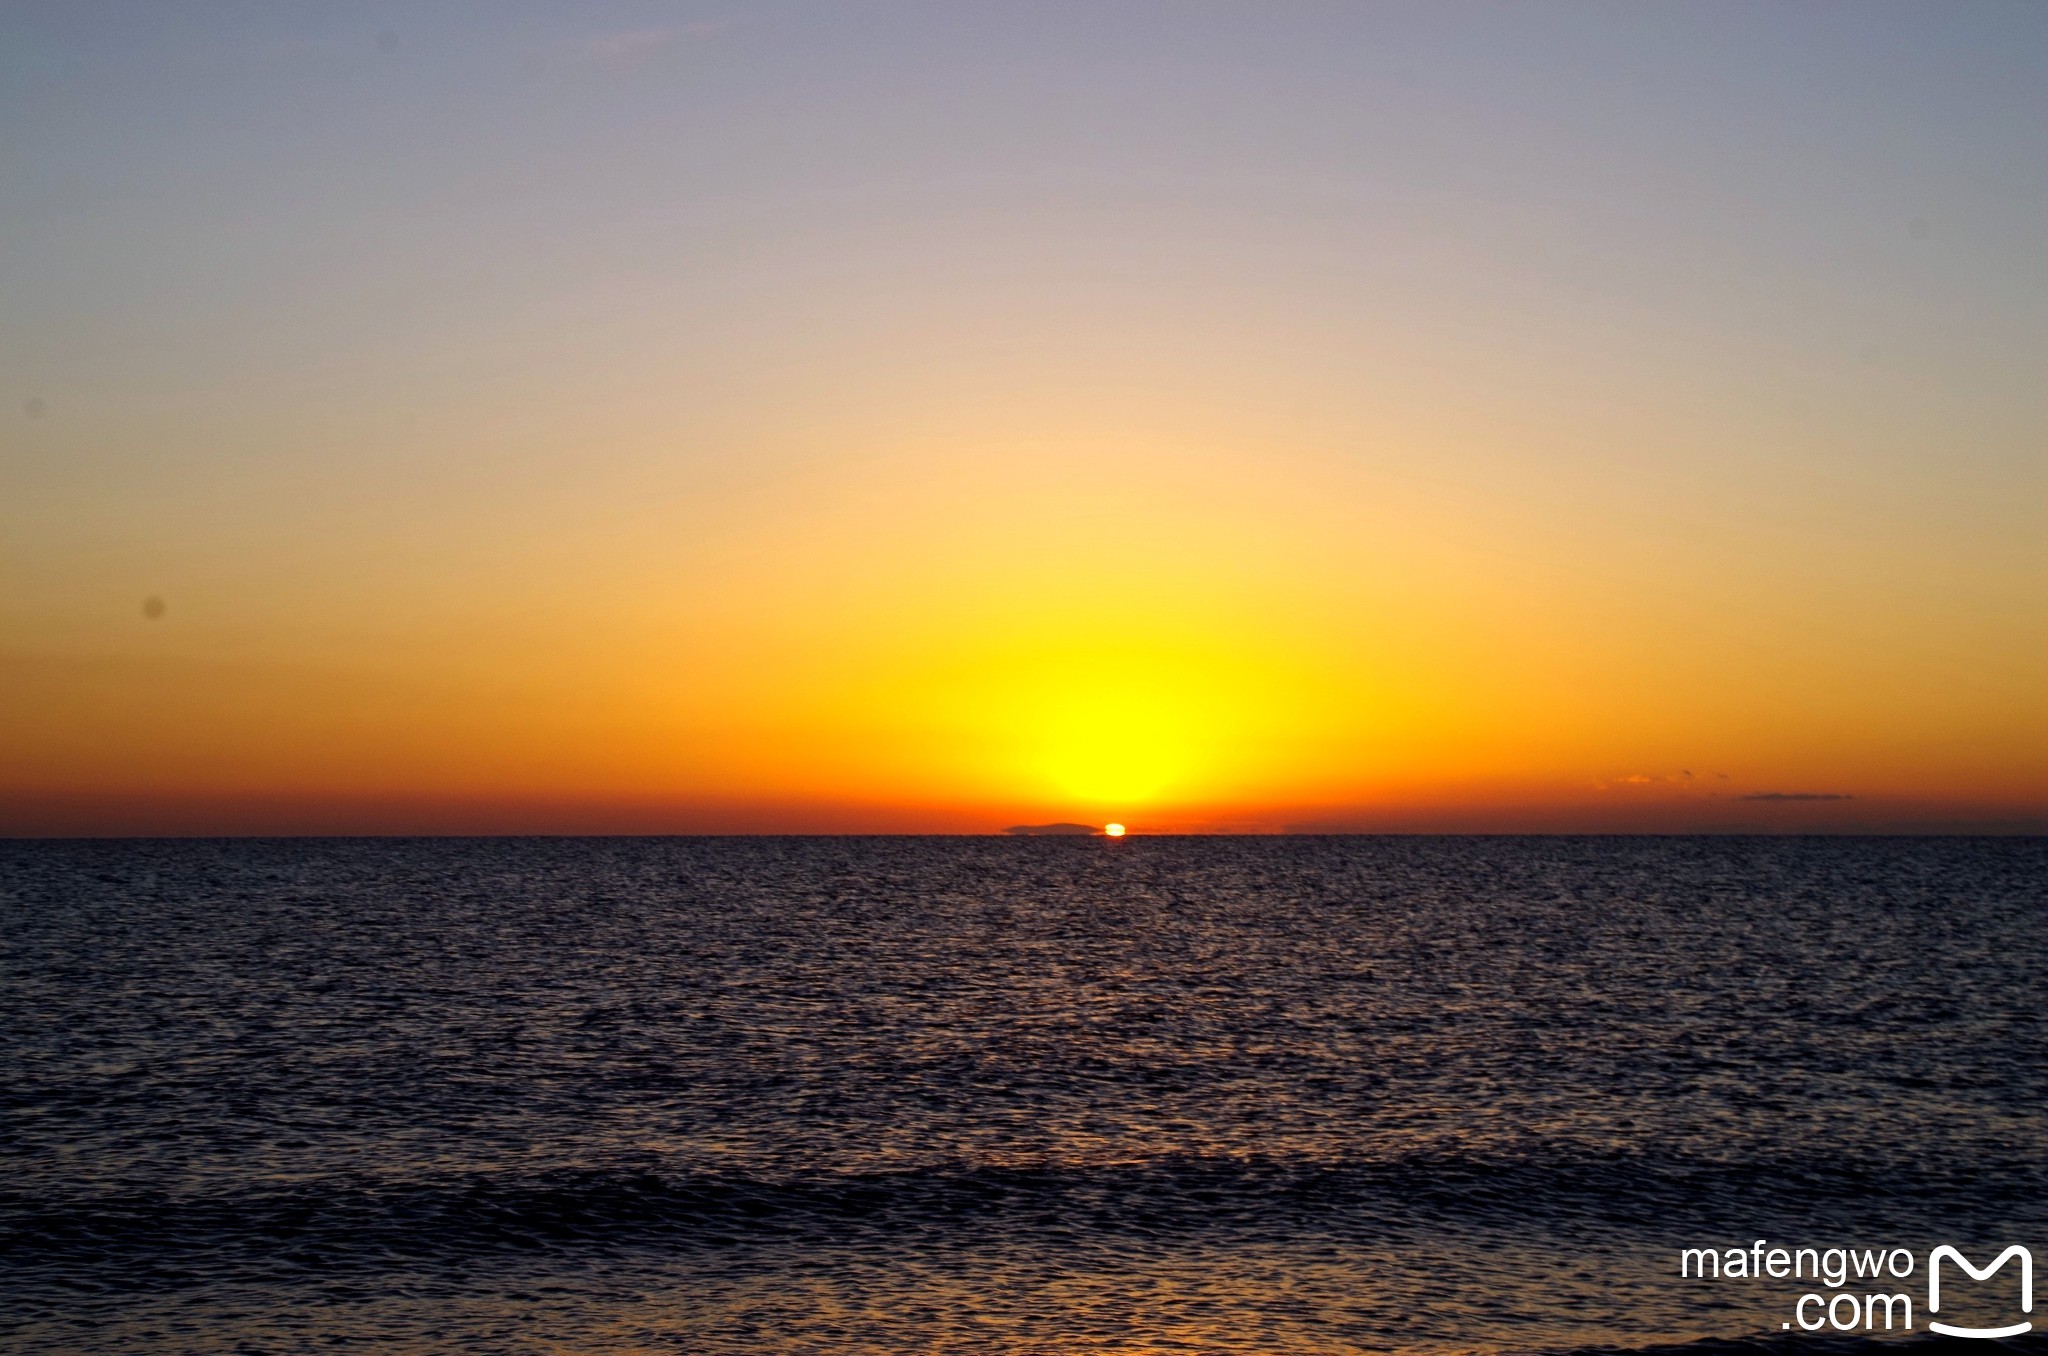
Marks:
<point>895,1095</point>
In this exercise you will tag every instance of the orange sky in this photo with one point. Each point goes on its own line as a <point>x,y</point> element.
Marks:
<point>838,470</point>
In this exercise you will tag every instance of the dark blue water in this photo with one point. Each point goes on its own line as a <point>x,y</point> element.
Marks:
<point>1000,1095</point>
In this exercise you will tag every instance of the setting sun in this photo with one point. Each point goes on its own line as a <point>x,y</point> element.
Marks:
<point>1113,830</point>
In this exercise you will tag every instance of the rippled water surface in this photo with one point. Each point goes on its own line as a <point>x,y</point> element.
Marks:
<point>992,1095</point>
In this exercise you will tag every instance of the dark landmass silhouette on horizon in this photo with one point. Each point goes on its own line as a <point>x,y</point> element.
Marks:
<point>1051,830</point>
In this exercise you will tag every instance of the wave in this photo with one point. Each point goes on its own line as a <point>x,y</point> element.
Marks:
<point>334,1221</point>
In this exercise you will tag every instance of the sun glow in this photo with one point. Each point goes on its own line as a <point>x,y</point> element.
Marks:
<point>1112,752</point>
<point>1113,830</point>
<point>1117,725</point>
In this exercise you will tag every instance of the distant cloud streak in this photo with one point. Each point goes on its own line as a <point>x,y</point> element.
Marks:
<point>1797,795</point>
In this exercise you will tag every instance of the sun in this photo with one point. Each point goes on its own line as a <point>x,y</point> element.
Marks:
<point>1113,830</point>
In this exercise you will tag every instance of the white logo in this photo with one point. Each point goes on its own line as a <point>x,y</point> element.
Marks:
<point>2026,1289</point>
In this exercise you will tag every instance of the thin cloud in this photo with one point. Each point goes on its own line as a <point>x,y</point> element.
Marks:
<point>1797,795</point>
<point>632,48</point>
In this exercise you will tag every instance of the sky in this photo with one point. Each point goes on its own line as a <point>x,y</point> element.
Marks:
<point>892,417</point>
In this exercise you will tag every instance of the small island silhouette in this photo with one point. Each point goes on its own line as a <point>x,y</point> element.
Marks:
<point>1052,830</point>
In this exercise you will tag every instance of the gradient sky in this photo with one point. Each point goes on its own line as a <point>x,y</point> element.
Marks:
<point>938,416</point>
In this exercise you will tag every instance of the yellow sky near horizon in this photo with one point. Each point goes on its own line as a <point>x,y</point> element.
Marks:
<point>1109,633</point>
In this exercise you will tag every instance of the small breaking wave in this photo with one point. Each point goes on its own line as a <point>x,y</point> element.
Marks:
<point>338,1222</point>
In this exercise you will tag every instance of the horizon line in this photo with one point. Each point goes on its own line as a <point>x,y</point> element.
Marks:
<point>2034,831</point>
